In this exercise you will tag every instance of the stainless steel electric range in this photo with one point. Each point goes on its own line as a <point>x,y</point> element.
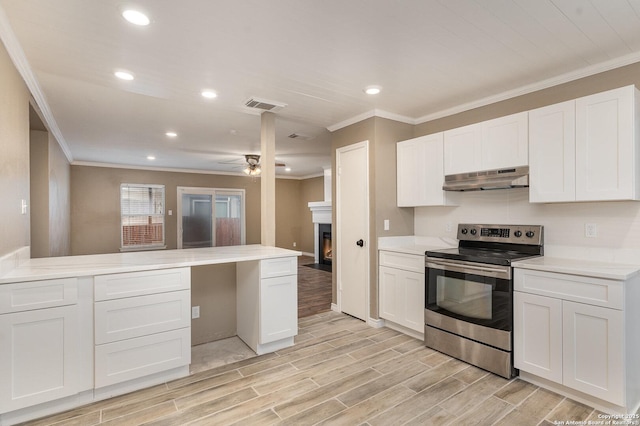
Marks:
<point>469,293</point>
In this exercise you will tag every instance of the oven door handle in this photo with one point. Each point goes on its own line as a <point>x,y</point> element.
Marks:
<point>466,268</point>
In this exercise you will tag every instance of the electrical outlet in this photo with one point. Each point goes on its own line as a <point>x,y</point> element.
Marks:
<point>195,312</point>
<point>386,224</point>
<point>590,230</point>
<point>448,227</point>
<point>295,244</point>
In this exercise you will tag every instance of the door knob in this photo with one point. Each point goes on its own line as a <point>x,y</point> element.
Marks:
<point>360,242</point>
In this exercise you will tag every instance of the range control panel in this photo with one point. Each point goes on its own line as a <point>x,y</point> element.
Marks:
<point>512,234</point>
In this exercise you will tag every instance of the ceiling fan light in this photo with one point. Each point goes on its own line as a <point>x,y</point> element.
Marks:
<point>136,17</point>
<point>372,90</point>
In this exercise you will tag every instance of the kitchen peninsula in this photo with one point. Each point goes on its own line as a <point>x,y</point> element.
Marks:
<point>78,329</point>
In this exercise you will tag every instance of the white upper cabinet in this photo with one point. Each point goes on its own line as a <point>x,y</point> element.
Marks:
<point>505,142</point>
<point>586,149</point>
<point>607,145</point>
<point>462,149</point>
<point>552,145</point>
<point>492,144</point>
<point>420,172</point>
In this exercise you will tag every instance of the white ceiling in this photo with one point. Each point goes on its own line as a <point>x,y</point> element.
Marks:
<point>431,57</point>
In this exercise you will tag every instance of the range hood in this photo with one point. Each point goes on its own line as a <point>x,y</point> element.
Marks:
<point>515,177</point>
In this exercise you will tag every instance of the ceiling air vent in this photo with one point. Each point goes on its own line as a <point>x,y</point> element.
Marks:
<point>264,105</point>
<point>300,136</point>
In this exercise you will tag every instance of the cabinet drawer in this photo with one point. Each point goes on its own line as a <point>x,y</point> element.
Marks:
<point>130,359</point>
<point>32,295</point>
<point>117,286</point>
<point>278,267</point>
<point>593,291</point>
<point>408,262</point>
<point>139,316</point>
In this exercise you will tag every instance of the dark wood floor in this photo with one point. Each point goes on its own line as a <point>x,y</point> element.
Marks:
<point>314,289</point>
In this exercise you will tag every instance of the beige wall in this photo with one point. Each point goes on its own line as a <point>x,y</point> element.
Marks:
<point>213,288</point>
<point>288,220</point>
<point>311,190</point>
<point>382,135</point>
<point>14,156</point>
<point>59,200</point>
<point>50,197</point>
<point>39,192</point>
<point>95,203</point>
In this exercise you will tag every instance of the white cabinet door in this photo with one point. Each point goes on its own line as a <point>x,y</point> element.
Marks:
<point>389,293</point>
<point>413,300</point>
<point>462,149</point>
<point>38,356</point>
<point>411,172</point>
<point>552,152</point>
<point>606,146</point>
<point>420,172</point>
<point>593,355</point>
<point>278,308</point>
<point>505,142</point>
<point>537,335</point>
<point>402,297</point>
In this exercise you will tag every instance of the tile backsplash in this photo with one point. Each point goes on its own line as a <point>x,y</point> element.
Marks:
<point>617,222</point>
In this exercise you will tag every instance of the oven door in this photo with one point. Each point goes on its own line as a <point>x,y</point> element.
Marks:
<point>459,293</point>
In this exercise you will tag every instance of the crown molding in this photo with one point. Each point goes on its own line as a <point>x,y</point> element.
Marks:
<point>373,113</point>
<point>534,87</point>
<point>21,63</point>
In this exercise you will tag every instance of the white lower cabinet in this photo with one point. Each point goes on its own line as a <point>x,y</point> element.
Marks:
<point>40,348</point>
<point>538,337</point>
<point>267,303</point>
<point>142,324</point>
<point>593,351</point>
<point>38,356</point>
<point>401,282</point>
<point>562,335</point>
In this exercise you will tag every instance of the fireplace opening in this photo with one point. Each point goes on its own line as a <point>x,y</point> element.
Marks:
<point>325,252</point>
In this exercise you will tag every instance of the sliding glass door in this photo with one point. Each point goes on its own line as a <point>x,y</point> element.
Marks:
<point>209,217</point>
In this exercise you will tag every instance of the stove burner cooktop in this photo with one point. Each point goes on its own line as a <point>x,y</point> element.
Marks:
<point>494,244</point>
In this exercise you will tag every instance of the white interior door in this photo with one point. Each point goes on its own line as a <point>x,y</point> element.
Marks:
<point>352,226</point>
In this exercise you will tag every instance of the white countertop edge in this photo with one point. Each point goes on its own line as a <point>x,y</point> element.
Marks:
<point>100,264</point>
<point>586,268</point>
<point>411,244</point>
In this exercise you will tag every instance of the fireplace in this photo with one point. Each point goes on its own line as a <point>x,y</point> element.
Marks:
<point>324,244</point>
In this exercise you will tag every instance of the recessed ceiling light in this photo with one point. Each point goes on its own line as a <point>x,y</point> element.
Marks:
<point>171,134</point>
<point>124,75</point>
<point>151,157</point>
<point>136,17</point>
<point>288,169</point>
<point>209,94</point>
<point>372,90</point>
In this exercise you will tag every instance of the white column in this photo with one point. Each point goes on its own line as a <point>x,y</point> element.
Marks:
<point>268,179</point>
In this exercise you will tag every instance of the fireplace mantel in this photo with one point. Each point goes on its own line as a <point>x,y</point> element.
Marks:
<point>320,211</point>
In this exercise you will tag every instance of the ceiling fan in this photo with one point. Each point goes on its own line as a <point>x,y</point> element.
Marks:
<point>253,165</point>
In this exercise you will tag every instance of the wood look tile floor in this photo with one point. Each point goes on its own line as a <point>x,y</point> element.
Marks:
<point>340,372</point>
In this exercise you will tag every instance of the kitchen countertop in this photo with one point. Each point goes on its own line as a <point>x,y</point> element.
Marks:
<point>100,264</point>
<point>587,268</point>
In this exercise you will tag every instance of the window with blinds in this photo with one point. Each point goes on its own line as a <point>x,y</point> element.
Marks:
<point>142,216</point>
